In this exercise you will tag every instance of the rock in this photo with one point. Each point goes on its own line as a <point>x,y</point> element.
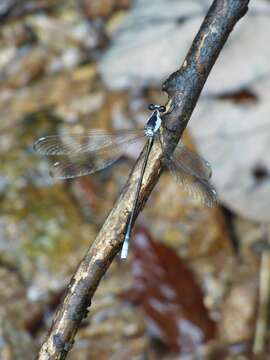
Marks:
<point>60,34</point>
<point>143,39</point>
<point>244,58</point>
<point>155,38</point>
<point>98,8</point>
<point>18,34</point>
<point>103,8</point>
<point>16,343</point>
<point>116,330</point>
<point>238,315</point>
<point>27,65</point>
<point>235,139</point>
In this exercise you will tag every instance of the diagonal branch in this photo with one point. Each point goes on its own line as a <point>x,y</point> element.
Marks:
<point>183,88</point>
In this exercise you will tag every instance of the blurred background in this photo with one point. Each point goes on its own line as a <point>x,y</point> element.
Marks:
<point>196,282</point>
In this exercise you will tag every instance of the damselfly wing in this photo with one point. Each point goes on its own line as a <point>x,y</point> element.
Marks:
<point>193,173</point>
<point>79,155</point>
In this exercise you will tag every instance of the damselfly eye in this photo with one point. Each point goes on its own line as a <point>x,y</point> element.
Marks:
<point>151,107</point>
<point>162,108</point>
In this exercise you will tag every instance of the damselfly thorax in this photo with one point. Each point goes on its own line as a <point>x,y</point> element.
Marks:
<point>80,155</point>
<point>154,122</point>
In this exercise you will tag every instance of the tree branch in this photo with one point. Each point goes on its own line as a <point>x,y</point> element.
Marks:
<point>183,88</point>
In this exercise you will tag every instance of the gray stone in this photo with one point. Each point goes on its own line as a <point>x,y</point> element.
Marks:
<point>235,139</point>
<point>146,48</point>
<point>156,35</point>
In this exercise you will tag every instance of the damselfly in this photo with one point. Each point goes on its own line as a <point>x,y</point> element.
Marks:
<point>85,154</point>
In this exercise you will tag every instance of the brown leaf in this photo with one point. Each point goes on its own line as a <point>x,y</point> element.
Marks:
<point>170,296</point>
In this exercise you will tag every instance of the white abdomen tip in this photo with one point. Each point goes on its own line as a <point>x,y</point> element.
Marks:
<point>124,251</point>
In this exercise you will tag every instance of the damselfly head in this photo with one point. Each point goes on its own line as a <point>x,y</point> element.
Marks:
<point>158,107</point>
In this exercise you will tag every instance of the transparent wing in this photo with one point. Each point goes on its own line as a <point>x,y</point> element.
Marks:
<point>191,162</point>
<point>198,187</point>
<point>67,168</point>
<point>80,164</point>
<point>70,144</point>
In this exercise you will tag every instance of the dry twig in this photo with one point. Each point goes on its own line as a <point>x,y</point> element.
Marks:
<point>183,88</point>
